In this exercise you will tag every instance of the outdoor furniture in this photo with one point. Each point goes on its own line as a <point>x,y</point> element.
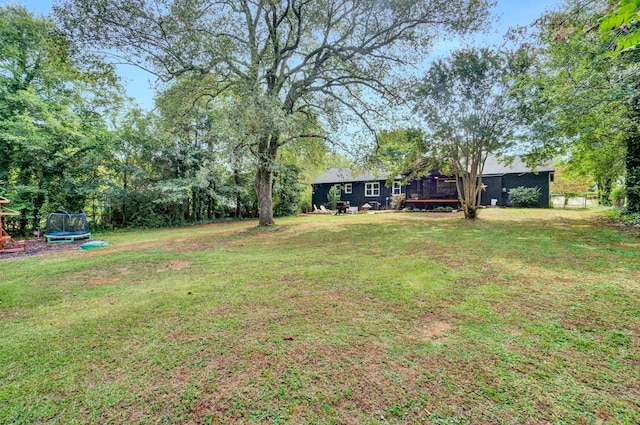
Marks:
<point>341,207</point>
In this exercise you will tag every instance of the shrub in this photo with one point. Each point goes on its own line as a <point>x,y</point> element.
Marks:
<point>333,197</point>
<point>618,196</point>
<point>287,191</point>
<point>632,219</point>
<point>619,214</point>
<point>524,197</point>
<point>443,209</point>
<point>397,201</point>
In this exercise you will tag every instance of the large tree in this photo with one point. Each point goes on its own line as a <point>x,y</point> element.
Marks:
<point>465,103</point>
<point>578,98</point>
<point>621,26</point>
<point>282,61</point>
<point>51,132</point>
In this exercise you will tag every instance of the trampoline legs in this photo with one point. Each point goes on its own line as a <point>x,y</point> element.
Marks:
<point>63,239</point>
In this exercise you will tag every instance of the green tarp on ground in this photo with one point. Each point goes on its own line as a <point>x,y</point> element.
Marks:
<point>94,244</point>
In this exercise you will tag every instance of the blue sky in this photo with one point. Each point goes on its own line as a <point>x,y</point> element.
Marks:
<point>507,13</point>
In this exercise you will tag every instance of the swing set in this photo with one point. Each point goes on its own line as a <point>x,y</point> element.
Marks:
<point>6,243</point>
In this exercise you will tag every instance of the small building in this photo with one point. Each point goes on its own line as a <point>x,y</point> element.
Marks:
<point>435,189</point>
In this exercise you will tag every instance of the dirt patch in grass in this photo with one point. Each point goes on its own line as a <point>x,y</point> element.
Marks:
<point>434,330</point>
<point>102,281</point>
<point>40,247</point>
<point>174,266</point>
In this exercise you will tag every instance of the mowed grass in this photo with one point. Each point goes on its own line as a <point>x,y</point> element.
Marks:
<point>524,316</point>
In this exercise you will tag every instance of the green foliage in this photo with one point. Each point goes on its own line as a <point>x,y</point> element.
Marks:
<point>570,76</point>
<point>343,60</point>
<point>333,196</point>
<point>579,72</point>
<point>287,191</point>
<point>524,197</point>
<point>623,24</point>
<point>465,101</point>
<point>443,209</point>
<point>632,178</point>
<point>397,201</point>
<point>67,141</point>
<point>398,151</point>
<point>52,138</point>
<point>632,218</point>
<point>166,175</point>
<point>618,195</point>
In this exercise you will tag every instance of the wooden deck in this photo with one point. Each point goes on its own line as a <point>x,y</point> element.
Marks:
<point>429,201</point>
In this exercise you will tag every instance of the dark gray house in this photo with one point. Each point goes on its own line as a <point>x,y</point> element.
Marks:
<point>435,189</point>
<point>499,178</point>
<point>356,189</point>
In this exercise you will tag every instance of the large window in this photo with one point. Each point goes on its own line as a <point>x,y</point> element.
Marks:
<point>348,188</point>
<point>446,188</point>
<point>397,189</point>
<point>372,189</point>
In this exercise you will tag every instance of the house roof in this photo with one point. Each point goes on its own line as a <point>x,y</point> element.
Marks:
<point>344,175</point>
<point>496,166</point>
<point>492,167</point>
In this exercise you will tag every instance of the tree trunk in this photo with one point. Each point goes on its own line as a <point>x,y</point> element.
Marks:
<point>605,191</point>
<point>263,185</point>
<point>236,182</point>
<point>633,172</point>
<point>267,153</point>
<point>468,197</point>
<point>470,210</point>
<point>633,159</point>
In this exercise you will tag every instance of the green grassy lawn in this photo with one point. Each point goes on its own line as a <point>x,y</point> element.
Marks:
<point>524,316</point>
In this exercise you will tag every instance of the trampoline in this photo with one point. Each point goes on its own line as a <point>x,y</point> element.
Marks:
<point>65,227</point>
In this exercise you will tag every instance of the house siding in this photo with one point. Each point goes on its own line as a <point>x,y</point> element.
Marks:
<point>493,190</point>
<point>498,187</point>
<point>432,188</point>
<point>357,196</point>
<point>540,180</point>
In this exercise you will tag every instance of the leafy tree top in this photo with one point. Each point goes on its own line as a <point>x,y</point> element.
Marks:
<point>623,22</point>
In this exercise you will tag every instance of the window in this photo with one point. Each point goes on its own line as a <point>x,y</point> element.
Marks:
<point>446,188</point>
<point>337,186</point>
<point>372,189</point>
<point>397,189</point>
<point>348,188</point>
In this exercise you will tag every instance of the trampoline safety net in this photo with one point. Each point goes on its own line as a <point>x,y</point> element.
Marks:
<point>62,224</point>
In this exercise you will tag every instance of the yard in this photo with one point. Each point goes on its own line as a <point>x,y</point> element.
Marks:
<point>525,316</point>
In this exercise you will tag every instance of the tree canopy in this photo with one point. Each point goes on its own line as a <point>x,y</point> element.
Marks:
<point>465,103</point>
<point>578,97</point>
<point>50,125</point>
<point>277,64</point>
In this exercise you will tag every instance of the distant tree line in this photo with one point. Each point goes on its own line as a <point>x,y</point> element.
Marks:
<point>246,112</point>
<point>69,139</point>
<point>580,96</point>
